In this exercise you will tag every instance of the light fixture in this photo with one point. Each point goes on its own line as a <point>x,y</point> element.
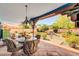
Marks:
<point>26,21</point>
<point>32,23</point>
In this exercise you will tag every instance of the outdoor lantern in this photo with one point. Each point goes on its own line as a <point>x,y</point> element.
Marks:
<point>26,21</point>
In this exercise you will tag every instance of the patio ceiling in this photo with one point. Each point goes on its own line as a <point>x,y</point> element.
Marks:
<point>64,9</point>
<point>16,12</point>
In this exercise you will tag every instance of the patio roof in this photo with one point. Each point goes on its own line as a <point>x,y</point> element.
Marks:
<point>15,13</point>
<point>56,11</point>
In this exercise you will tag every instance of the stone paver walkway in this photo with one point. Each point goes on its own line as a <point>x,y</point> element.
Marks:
<point>47,48</point>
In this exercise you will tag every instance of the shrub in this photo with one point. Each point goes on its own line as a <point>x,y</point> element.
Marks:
<point>72,39</point>
<point>43,28</point>
<point>43,35</point>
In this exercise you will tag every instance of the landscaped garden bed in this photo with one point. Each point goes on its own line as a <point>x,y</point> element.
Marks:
<point>71,39</point>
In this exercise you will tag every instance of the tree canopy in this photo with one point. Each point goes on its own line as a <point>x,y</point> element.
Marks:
<point>63,22</point>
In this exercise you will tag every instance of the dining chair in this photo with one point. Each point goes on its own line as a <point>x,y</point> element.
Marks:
<point>30,47</point>
<point>11,47</point>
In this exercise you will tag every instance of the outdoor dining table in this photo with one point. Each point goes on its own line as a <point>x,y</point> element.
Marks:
<point>29,46</point>
<point>27,40</point>
<point>21,42</point>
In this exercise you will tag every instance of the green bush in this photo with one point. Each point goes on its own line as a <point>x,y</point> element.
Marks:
<point>43,35</point>
<point>72,39</point>
<point>43,28</point>
<point>63,22</point>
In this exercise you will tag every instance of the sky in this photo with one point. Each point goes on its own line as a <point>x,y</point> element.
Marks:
<point>48,21</point>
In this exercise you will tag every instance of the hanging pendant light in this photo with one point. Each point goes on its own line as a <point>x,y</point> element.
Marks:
<point>26,21</point>
<point>32,23</point>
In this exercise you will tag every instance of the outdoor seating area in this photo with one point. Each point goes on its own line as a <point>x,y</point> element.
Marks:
<point>55,33</point>
<point>20,41</point>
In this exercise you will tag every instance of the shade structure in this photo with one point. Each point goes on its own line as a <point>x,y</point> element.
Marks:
<point>56,11</point>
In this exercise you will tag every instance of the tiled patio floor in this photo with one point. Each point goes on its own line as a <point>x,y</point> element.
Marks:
<point>47,49</point>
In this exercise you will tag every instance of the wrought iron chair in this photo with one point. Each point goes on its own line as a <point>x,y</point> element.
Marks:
<point>11,47</point>
<point>30,47</point>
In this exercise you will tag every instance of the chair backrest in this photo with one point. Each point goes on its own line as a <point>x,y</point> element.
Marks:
<point>30,47</point>
<point>11,47</point>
